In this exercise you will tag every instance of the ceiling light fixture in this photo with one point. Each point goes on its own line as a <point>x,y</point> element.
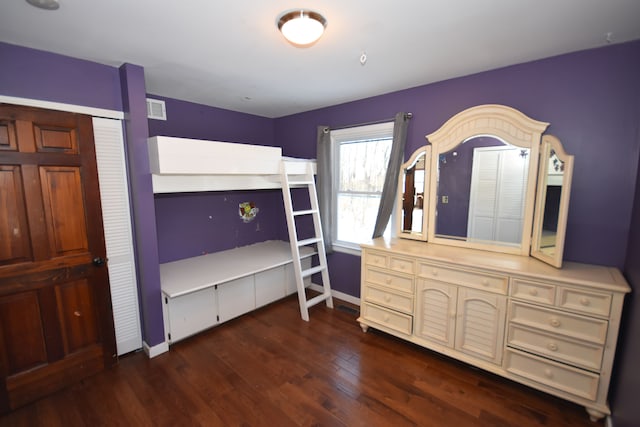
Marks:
<point>302,28</point>
<point>45,4</point>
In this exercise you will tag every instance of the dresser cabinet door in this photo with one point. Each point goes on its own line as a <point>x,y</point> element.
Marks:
<point>436,311</point>
<point>480,324</point>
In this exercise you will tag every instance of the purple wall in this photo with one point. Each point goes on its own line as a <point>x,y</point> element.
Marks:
<point>148,269</point>
<point>35,74</point>
<point>589,97</point>
<point>198,223</point>
<point>189,120</point>
<point>626,385</point>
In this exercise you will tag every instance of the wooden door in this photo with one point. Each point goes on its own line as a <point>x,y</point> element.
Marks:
<point>56,323</point>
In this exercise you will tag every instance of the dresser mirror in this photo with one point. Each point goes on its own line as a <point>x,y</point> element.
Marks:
<point>481,183</point>
<point>552,201</point>
<point>413,188</point>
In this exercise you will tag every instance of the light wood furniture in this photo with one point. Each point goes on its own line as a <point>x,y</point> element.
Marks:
<point>204,291</point>
<point>552,329</point>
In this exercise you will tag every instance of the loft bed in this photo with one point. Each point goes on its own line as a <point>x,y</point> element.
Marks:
<point>190,165</point>
<point>201,292</point>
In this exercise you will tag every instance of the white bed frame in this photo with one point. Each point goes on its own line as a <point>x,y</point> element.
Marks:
<point>189,165</point>
<point>201,292</point>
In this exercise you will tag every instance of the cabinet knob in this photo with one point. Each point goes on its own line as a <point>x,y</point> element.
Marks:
<point>533,292</point>
<point>548,373</point>
<point>552,346</point>
<point>387,297</point>
<point>485,282</point>
<point>554,322</point>
<point>585,301</point>
<point>385,317</point>
<point>434,272</point>
<point>388,281</point>
<point>77,313</point>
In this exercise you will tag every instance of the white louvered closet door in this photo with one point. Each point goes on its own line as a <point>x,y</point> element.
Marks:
<point>114,194</point>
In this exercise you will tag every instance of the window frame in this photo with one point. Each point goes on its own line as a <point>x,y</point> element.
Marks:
<point>352,134</point>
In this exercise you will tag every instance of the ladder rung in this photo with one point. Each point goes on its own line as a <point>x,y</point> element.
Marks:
<point>301,182</point>
<point>318,298</point>
<point>306,242</point>
<point>312,271</point>
<point>307,212</point>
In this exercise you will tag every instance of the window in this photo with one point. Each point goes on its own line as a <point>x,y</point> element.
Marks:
<point>360,164</point>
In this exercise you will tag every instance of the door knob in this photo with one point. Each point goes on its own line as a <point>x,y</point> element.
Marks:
<point>99,261</point>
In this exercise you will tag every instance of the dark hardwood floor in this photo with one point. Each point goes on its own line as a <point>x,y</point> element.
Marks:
<point>270,368</point>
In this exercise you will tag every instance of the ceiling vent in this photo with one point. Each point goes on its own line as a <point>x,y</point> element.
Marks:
<point>156,109</point>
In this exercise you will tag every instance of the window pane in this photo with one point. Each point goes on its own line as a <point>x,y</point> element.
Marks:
<point>356,217</point>
<point>363,165</point>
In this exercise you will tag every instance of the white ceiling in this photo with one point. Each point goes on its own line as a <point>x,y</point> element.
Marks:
<point>229,54</point>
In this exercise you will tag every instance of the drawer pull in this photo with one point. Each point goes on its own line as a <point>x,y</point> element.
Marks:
<point>554,322</point>
<point>533,292</point>
<point>552,346</point>
<point>584,301</point>
<point>387,297</point>
<point>548,373</point>
<point>385,317</point>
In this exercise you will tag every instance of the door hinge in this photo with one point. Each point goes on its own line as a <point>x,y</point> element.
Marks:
<point>217,318</point>
<point>166,300</point>
<point>169,335</point>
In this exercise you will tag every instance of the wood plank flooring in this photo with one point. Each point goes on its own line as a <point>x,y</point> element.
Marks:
<point>270,368</point>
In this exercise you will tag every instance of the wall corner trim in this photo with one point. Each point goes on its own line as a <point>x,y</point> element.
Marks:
<point>156,350</point>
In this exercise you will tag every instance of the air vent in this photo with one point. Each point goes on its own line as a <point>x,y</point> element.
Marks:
<point>156,109</point>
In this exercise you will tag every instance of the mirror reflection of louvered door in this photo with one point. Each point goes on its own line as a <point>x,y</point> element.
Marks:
<point>498,188</point>
<point>56,323</point>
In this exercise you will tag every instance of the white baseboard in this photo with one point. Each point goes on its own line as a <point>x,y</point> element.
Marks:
<point>608,422</point>
<point>156,350</point>
<point>337,294</point>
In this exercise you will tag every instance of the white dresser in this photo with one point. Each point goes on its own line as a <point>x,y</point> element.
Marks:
<point>552,329</point>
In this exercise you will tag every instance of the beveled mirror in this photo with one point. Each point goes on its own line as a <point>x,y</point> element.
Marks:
<point>413,188</point>
<point>484,166</point>
<point>552,201</point>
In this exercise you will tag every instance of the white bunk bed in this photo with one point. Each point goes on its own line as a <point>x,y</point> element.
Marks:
<point>204,291</point>
<point>188,165</point>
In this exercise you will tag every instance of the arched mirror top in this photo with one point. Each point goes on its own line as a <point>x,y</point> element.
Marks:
<point>503,122</point>
<point>484,167</point>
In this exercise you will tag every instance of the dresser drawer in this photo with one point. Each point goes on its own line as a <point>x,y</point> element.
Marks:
<point>533,291</point>
<point>391,319</point>
<point>561,377</point>
<point>389,280</point>
<point>388,298</point>
<point>488,282</point>
<point>569,325</point>
<point>598,303</point>
<point>377,259</point>
<point>556,347</point>
<point>402,265</point>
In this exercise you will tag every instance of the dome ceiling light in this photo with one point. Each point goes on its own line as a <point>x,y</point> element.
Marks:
<point>45,4</point>
<point>302,28</point>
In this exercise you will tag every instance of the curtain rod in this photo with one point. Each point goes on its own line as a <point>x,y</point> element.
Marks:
<point>406,116</point>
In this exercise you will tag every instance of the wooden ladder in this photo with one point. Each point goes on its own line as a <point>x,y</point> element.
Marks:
<point>307,180</point>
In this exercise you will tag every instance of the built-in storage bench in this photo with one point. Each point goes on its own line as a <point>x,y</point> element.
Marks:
<point>203,291</point>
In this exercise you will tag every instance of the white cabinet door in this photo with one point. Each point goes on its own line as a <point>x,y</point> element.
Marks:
<point>190,313</point>
<point>436,311</point>
<point>270,286</point>
<point>236,298</point>
<point>480,324</point>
